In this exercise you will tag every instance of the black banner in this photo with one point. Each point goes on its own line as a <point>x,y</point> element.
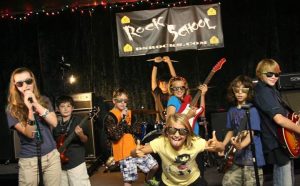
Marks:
<point>169,29</point>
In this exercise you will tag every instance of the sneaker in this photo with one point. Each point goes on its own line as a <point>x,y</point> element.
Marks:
<point>152,182</point>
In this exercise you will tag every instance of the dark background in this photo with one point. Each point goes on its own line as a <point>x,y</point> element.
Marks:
<point>253,29</point>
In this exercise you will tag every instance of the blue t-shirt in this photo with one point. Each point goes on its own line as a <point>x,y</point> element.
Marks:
<point>28,145</point>
<point>174,101</point>
<point>235,117</point>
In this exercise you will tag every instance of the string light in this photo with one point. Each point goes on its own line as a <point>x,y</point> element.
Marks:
<point>104,4</point>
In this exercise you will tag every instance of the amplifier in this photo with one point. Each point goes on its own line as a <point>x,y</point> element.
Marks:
<point>83,101</point>
<point>289,81</point>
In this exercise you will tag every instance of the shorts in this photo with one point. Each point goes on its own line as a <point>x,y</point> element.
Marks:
<point>129,166</point>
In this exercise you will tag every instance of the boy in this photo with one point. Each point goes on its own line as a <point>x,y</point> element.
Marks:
<point>120,131</point>
<point>73,157</point>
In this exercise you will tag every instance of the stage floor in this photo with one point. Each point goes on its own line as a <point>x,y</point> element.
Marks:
<point>8,176</point>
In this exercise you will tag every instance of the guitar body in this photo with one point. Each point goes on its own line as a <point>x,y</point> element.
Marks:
<point>192,120</point>
<point>290,138</point>
<point>227,162</point>
<point>59,142</point>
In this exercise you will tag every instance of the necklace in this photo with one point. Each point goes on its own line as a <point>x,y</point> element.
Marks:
<point>65,126</point>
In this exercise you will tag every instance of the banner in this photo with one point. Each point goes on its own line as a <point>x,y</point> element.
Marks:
<point>169,30</point>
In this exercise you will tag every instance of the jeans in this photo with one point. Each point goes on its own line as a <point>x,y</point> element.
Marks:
<point>284,175</point>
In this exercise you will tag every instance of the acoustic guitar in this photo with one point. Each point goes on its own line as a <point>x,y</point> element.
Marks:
<point>290,139</point>
<point>63,140</point>
<point>187,104</point>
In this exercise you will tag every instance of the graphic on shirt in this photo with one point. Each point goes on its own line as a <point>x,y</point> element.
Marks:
<point>180,166</point>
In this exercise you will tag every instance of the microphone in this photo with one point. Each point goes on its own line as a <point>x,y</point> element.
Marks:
<point>30,99</point>
<point>124,115</point>
<point>246,106</point>
<point>154,60</point>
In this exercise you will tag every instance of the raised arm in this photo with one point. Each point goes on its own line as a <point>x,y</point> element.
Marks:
<point>167,60</point>
<point>154,72</point>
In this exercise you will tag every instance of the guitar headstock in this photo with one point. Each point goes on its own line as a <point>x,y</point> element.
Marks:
<point>219,65</point>
<point>93,114</point>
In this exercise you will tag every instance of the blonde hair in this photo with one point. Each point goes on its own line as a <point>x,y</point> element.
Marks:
<point>16,105</point>
<point>178,78</point>
<point>267,65</point>
<point>183,120</point>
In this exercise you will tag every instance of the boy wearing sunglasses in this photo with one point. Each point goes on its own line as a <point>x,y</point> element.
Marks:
<point>273,113</point>
<point>121,131</point>
<point>178,148</point>
<point>238,164</point>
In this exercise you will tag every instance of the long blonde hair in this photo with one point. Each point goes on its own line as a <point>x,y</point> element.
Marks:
<point>16,105</point>
<point>183,120</point>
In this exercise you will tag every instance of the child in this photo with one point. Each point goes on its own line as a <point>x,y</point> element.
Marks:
<point>121,130</point>
<point>74,171</point>
<point>31,115</point>
<point>159,86</point>
<point>240,92</point>
<point>178,148</point>
<point>178,89</point>
<point>273,112</point>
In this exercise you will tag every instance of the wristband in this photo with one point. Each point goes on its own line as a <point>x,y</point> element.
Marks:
<point>44,115</point>
<point>155,64</point>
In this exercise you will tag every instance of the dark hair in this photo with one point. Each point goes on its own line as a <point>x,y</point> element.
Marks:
<point>64,99</point>
<point>240,80</point>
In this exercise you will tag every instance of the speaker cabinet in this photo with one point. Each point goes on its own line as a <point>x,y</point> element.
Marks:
<point>292,98</point>
<point>90,151</point>
<point>83,101</point>
<point>218,123</point>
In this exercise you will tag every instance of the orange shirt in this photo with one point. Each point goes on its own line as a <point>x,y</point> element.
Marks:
<point>123,147</point>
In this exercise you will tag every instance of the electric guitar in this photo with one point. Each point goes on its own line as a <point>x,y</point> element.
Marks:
<point>227,160</point>
<point>187,103</point>
<point>63,140</point>
<point>290,139</point>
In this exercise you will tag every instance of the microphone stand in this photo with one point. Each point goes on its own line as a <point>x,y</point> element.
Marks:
<point>252,147</point>
<point>39,140</point>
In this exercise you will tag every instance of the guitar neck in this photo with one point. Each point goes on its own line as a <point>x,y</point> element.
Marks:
<point>69,139</point>
<point>198,94</point>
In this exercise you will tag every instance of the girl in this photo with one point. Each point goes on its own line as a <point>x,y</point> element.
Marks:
<point>239,93</point>
<point>26,108</point>
<point>178,148</point>
<point>178,89</point>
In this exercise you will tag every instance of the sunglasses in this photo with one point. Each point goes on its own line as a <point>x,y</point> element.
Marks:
<point>172,131</point>
<point>121,100</point>
<point>240,90</point>
<point>270,74</point>
<point>178,88</point>
<point>27,81</point>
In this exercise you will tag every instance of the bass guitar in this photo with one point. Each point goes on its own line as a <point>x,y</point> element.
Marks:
<point>227,160</point>
<point>290,139</point>
<point>63,140</point>
<point>187,104</point>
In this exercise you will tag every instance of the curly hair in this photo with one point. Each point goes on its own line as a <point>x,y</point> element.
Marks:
<point>238,81</point>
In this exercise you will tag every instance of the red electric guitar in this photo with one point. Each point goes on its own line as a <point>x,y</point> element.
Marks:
<point>187,103</point>
<point>63,140</point>
<point>290,138</point>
